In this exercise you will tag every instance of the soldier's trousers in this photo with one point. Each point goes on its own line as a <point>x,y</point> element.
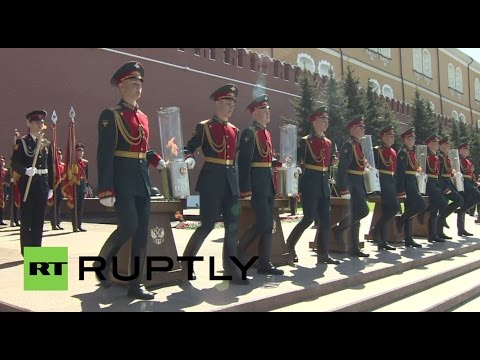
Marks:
<point>315,206</point>
<point>32,214</point>
<point>133,214</point>
<point>57,207</point>
<point>414,205</point>
<point>212,205</point>
<point>456,202</point>
<point>390,206</point>
<point>262,205</point>
<point>436,202</point>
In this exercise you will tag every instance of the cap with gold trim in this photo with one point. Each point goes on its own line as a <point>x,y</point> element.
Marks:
<point>355,121</point>
<point>321,112</point>
<point>431,138</point>
<point>228,91</point>
<point>36,115</point>
<point>132,69</point>
<point>387,130</point>
<point>260,102</point>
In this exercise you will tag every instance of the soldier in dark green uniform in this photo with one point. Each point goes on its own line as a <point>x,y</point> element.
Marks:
<point>315,154</point>
<point>32,211</point>
<point>436,199</point>
<point>448,188</point>
<point>255,159</point>
<point>407,186</point>
<point>81,188</point>
<point>350,182</point>
<point>123,156</point>
<point>218,179</point>
<point>471,195</point>
<point>386,163</point>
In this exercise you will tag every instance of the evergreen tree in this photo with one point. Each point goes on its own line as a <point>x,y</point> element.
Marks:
<point>454,133</point>
<point>423,120</point>
<point>377,115</point>
<point>355,98</point>
<point>463,133</point>
<point>336,112</point>
<point>305,104</point>
<point>441,130</point>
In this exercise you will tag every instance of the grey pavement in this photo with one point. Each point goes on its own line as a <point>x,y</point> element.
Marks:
<point>202,294</point>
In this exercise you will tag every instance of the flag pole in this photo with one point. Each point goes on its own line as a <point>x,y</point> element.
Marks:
<point>74,162</point>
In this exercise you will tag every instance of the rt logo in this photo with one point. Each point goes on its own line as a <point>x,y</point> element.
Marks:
<point>45,268</point>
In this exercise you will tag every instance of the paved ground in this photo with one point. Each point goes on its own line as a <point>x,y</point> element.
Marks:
<point>202,294</point>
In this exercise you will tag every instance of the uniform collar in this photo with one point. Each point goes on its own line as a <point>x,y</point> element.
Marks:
<point>128,106</point>
<point>354,139</point>
<point>217,119</point>
<point>259,126</point>
<point>317,135</point>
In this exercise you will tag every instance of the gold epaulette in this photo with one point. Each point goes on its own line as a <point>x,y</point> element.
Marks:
<point>205,121</point>
<point>305,137</point>
<point>115,108</point>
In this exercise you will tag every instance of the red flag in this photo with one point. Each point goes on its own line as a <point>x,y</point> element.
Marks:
<point>71,168</point>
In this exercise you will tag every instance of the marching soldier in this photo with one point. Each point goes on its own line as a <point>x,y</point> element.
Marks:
<point>123,156</point>
<point>218,179</point>
<point>407,186</point>
<point>32,210</point>
<point>386,163</point>
<point>81,188</point>
<point>255,159</point>
<point>471,194</point>
<point>315,154</point>
<point>58,198</point>
<point>4,184</point>
<point>448,188</point>
<point>436,200</point>
<point>350,181</point>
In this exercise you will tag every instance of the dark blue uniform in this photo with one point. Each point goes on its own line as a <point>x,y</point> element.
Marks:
<point>217,185</point>
<point>446,183</point>
<point>471,194</point>
<point>386,163</point>
<point>407,185</point>
<point>315,154</point>
<point>436,199</point>
<point>350,180</point>
<point>255,158</point>
<point>32,212</point>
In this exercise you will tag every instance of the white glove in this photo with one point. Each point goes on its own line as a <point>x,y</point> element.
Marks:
<point>190,163</point>
<point>31,171</point>
<point>346,196</point>
<point>404,196</point>
<point>161,164</point>
<point>50,194</point>
<point>108,202</point>
<point>299,170</point>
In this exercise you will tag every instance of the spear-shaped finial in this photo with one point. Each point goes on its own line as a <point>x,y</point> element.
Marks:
<point>72,113</point>
<point>54,117</point>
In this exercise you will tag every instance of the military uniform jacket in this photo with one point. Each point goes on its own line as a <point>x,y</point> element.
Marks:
<point>22,158</point>
<point>469,178</point>
<point>433,166</point>
<point>83,173</point>
<point>123,152</point>
<point>255,159</point>
<point>406,172</point>
<point>352,161</point>
<point>315,154</point>
<point>386,164</point>
<point>444,177</point>
<point>218,140</point>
